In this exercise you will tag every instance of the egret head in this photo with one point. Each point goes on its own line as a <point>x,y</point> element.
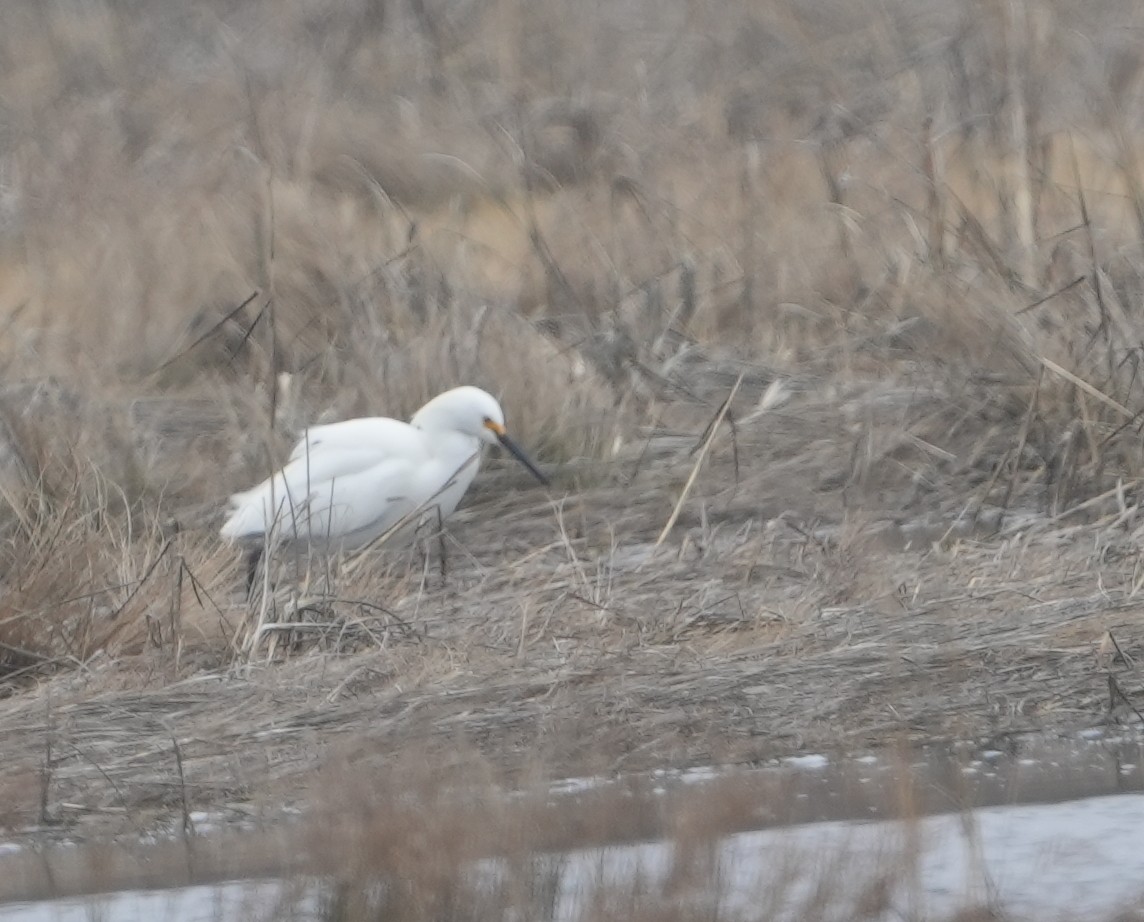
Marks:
<point>476,413</point>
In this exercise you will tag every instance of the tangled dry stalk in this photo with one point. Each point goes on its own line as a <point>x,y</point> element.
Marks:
<point>825,318</point>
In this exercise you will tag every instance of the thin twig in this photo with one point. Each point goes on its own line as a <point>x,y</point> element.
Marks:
<point>208,334</point>
<point>1087,388</point>
<point>146,576</point>
<point>188,822</point>
<point>46,772</point>
<point>723,410</point>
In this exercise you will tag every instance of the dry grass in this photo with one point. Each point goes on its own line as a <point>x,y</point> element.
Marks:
<point>907,237</point>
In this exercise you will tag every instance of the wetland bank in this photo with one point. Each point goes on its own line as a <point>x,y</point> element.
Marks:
<point>824,319</point>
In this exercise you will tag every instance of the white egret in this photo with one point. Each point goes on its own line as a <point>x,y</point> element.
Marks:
<point>346,484</point>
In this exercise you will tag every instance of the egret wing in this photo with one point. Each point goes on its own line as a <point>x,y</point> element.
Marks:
<point>329,492</point>
<point>354,507</point>
<point>377,433</point>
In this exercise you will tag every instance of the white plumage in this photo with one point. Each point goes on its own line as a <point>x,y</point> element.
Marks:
<point>346,484</point>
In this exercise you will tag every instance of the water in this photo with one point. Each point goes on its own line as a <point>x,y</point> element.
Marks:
<point>1065,855</point>
<point>246,900</point>
<point>1081,859</point>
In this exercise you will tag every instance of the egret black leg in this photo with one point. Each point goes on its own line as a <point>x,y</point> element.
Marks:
<point>253,559</point>
<point>441,547</point>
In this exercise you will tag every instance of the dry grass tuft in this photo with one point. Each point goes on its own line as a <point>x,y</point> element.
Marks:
<point>824,317</point>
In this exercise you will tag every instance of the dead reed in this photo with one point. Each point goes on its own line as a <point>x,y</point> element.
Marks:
<point>824,316</point>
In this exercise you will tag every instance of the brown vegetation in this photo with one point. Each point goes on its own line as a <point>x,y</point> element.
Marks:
<point>895,251</point>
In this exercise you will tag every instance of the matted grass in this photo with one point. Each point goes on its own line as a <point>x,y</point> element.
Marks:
<point>893,250</point>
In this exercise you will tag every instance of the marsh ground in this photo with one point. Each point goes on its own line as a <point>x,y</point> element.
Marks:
<point>847,294</point>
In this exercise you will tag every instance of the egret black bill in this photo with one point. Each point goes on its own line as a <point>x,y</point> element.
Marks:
<point>515,450</point>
